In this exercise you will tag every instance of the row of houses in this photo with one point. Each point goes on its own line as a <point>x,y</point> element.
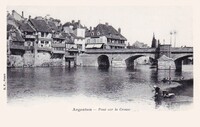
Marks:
<point>44,41</point>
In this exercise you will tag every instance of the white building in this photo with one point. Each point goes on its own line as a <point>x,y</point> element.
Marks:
<point>78,33</point>
<point>104,36</point>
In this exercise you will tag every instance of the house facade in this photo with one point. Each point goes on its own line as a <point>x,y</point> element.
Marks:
<point>15,47</point>
<point>104,36</point>
<point>58,43</point>
<point>78,32</point>
<point>43,49</point>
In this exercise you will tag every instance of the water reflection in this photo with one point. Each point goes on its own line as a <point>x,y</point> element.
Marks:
<point>154,75</point>
<point>121,84</point>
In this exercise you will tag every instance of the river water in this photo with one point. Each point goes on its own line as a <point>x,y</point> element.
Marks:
<point>91,86</point>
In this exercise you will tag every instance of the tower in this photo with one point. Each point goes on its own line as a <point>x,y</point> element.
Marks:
<point>153,44</point>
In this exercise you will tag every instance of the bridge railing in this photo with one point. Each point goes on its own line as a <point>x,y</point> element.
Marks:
<point>182,49</point>
<point>134,50</point>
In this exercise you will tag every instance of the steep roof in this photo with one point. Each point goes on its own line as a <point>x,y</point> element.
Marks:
<point>105,30</point>
<point>40,25</point>
<point>58,36</point>
<point>69,38</point>
<point>9,27</point>
<point>74,24</point>
<point>53,26</point>
<point>15,35</point>
<point>26,27</point>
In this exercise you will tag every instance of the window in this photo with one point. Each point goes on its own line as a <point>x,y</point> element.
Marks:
<point>101,40</point>
<point>42,34</point>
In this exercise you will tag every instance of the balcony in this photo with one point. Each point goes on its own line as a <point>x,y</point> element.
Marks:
<point>73,50</point>
<point>58,52</point>
<point>30,36</point>
<point>45,39</point>
<point>29,47</point>
<point>48,49</point>
<point>15,46</point>
<point>58,45</point>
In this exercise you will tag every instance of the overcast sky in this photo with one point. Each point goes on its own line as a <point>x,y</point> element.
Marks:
<point>136,23</point>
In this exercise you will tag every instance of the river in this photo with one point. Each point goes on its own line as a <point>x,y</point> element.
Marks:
<point>91,86</point>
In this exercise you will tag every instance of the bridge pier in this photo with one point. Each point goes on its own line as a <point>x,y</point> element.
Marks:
<point>130,64</point>
<point>164,65</point>
<point>178,64</point>
<point>165,62</point>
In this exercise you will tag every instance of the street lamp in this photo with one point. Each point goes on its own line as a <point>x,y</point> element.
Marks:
<point>175,38</point>
<point>171,37</point>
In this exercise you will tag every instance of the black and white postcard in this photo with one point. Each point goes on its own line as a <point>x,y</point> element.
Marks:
<point>133,60</point>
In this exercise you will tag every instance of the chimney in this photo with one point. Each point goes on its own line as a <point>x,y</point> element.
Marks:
<point>72,21</point>
<point>79,23</point>
<point>106,24</point>
<point>90,28</point>
<point>119,30</point>
<point>13,11</point>
<point>29,17</point>
<point>22,14</point>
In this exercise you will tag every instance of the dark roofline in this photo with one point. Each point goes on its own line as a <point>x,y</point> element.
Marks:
<point>37,26</point>
<point>26,27</point>
<point>105,30</point>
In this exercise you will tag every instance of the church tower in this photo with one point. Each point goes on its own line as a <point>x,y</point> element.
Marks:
<point>154,42</point>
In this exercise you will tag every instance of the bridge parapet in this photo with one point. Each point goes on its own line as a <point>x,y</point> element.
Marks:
<point>121,51</point>
<point>182,49</point>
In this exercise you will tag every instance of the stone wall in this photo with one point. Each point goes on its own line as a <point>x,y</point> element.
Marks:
<point>42,59</point>
<point>57,62</point>
<point>166,65</point>
<point>15,61</point>
<point>87,60</point>
<point>28,60</point>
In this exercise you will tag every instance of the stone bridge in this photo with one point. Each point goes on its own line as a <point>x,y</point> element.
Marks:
<point>126,57</point>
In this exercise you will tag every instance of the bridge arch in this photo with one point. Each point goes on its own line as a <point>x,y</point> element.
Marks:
<point>103,61</point>
<point>178,61</point>
<point>130,60</point>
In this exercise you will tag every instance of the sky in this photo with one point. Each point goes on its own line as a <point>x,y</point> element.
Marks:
<point>137,23</point>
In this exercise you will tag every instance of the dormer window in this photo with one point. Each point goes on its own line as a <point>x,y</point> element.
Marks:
<point>92,33</point>
<point>98,33</point>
